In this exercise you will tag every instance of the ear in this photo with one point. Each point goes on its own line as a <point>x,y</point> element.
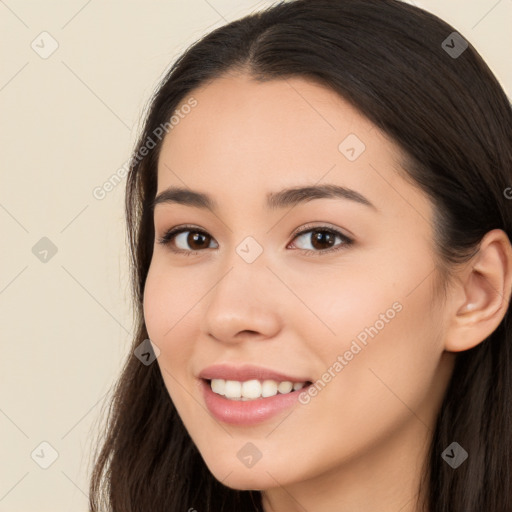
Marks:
<point>481,296</point>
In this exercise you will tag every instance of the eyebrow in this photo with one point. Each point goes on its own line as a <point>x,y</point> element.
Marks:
<point>275,200</point>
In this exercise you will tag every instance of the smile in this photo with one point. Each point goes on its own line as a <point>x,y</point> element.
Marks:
<point>247,394</point>
<point>244,411</point>
<point>253,389</point>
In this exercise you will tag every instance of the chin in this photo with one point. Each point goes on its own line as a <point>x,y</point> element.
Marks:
<point>243,479</point>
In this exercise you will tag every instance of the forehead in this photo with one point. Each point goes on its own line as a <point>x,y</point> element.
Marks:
<point>238,112</point>
<point>245,138</point>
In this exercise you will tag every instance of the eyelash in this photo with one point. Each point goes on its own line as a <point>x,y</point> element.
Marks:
<point>167,237</point>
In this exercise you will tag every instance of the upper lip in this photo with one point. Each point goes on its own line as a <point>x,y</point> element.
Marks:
<point>246,372</point>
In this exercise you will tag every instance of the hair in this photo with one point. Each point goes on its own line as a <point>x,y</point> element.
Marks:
<point>452,121</point>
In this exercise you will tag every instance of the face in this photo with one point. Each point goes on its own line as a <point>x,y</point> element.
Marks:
<point>263,290</point>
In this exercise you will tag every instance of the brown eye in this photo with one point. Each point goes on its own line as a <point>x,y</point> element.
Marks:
<point>323,239</point>
<point>191,240</point>
<point>196,240</point>
<point>186,239</point>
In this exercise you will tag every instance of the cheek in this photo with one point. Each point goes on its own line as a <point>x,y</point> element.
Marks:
<point>386,383</point>
<point>167,302</point>
<point>169,318</point>
<point>343,307</point>
<point>400,351</point>
<point>162,312</point>
<point>154,304</point>
<point>388,334</point>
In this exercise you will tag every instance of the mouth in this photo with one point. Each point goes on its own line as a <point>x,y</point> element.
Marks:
<point>254,389</point>
<point>251,402</point>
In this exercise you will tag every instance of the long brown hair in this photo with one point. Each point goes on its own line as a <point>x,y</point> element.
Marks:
<point>442,105</point>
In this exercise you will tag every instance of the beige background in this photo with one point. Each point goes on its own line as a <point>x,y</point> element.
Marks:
<point>68,123</point>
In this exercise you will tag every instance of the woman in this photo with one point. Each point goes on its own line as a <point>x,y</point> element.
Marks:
<point>319,231</point>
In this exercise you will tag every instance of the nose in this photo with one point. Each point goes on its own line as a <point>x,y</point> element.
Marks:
<point>244,305</point>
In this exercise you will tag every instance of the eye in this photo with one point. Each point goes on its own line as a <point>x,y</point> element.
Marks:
<point>324,235</point>
<point>197,239</point>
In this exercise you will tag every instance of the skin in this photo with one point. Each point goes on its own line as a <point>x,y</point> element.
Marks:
<point>360,443</point>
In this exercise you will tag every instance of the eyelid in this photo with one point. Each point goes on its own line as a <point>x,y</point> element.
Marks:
<point>319,225</point>
<point>177,230</point>
<point>347,240</point>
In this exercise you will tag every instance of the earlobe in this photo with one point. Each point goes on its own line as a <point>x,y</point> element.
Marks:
<point>483,293</point>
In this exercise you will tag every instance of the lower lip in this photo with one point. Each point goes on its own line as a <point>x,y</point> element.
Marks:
<point>239,412</point>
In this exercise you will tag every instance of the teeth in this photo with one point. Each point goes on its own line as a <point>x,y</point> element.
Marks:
<point>269,388</point>
<point>285,387</point>
<point>252,389</point>
<point>233,389</point>
<point>218,386</point>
